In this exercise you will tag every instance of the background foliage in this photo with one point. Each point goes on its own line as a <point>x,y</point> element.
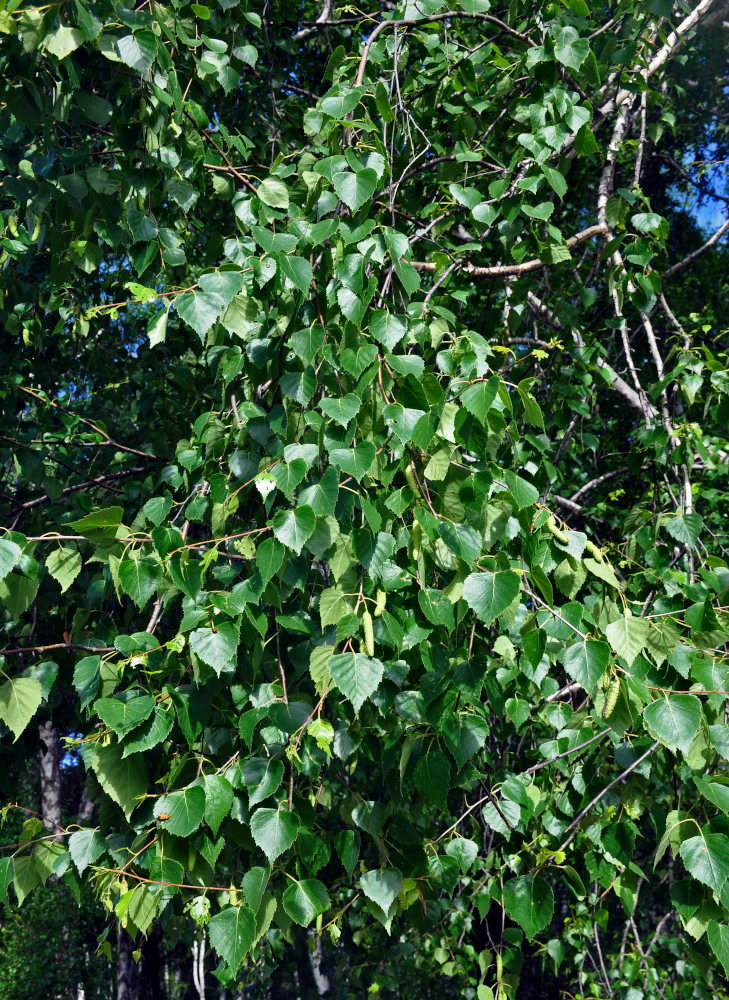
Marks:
<point>364,492</point>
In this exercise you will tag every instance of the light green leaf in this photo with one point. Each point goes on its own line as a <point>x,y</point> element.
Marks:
<point>63,41</point>
<point>123,779</point>
<point>296,269</point>
<point>20,699</point>
<point>341,409</point>
<point>489,594</point>
<point>674,719</point>
<point>123,716</point>
<point>355,189</point>
<point>64,565</point>
<point>100,525</point>
<point>707,858</point>
<point>357,676</point>
<point>185,808</point>
<point>85,847</point>
<point>138,51</point>
<point>354,461</point>
<point>585,661</point>
<point>686,528</point>
<point>217,647</point>
<point>139,577</point>
<point>274,831</point>
<point>273,192</point>
<point>718,936</point>
<point>479,398</point>
<point>198,310</point>
<point>628,636</point>
<point>530,901</point>
<point>382,886</point>
<point>232,933</point>
<point>305,900</point>
<point>293,528</point>
<point>9,556</point>
<point>388,328</point>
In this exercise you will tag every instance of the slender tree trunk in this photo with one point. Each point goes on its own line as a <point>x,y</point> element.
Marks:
<point>124,965</point>
<point>198,966</point>
<point>50,776</point>
<point>316,957</point>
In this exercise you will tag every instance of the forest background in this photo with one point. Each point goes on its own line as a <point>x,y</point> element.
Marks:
<point>363,573</point>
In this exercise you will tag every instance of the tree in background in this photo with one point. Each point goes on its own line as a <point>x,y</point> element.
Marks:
<point>364,492</point>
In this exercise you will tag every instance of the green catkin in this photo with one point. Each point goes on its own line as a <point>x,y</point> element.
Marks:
<point>417,539</point>
<point>380,603</point>
<point>555,532</point>
<point>593,550</point>
<point>411,480</point>
<point>369,633</point>
<point>612,699</point>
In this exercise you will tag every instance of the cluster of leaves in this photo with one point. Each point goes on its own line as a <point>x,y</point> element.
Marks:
<point>339,651</point>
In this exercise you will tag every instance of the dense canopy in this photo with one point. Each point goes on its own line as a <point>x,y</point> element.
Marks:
<point>363,441</point>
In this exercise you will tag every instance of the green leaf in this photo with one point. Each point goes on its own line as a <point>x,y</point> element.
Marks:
<point>63,41</point>
<point>305,900</point>
<point>262,776</point>
<point>333,605</point>
<point>707,858</point>
<point>86,679</point>
<point>198,310</point>
<point>355,189</point>
<point>521,490</point>
<point>388,328</point>
<point>221,287</point>
<point>341,409</point>
<point>139,577</point>
<point>151,733</point>
<point>674,719</point>
<point>479,398</point>
<point>628,636</point>
<point>9,556</point>
<point>433,777</point>
<point>718,937</point>
<point>123,716</point>
<point>185,808</point>
<point>402,420</point>
<point>269,558</point>
<point>138,51</point>
<point>322,496</point>
<point>686,528</point>
<point>357,676</point>
<point>585,661</point>
<point>218,799</point>
<point>20,699</point>
<point>296,269</point>
<point>340,105</point>
<point>232,933</point>
<point>100,525</point>
<point>274,831</point>
<point>530,901</point>
<point>354,461</point>
<point>85,847</point>
<point>569,48</point>
<point>382,886</point>
<point>490,594</point>
<point>123,779</point>
<point>646,222</point>
<point>293,528</point>
<point>464,736</point>
<point>217,647</point>
<point>273,192</point>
